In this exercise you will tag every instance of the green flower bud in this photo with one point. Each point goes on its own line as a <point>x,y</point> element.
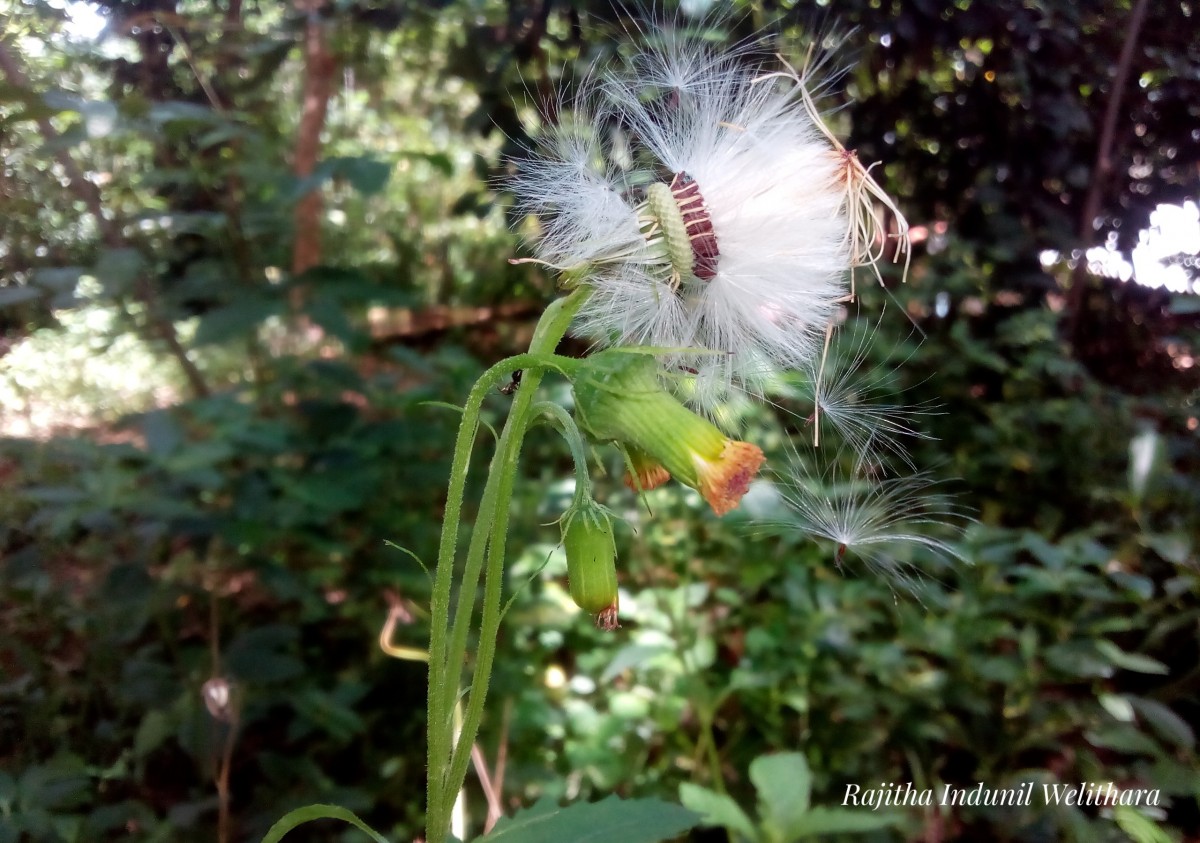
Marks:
<point>591,560</point>
<point>618,398</point>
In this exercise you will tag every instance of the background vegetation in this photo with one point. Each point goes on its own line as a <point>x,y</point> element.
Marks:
<point>246,244</point>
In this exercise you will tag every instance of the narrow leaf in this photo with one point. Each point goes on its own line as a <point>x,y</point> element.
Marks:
<point>308,813</point>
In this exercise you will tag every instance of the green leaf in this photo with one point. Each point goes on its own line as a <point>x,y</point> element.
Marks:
<point>319,812</point>
<point>440,161</point>
<point>154,729</point>
<point>611,820</point>
<point>235,320</point>
<point>176,110</point>
<point>366,175</point>
<point>1124,738</point>
<point>717,809</point>
<point>1145,461</point>
<point>844,821</point>
<point>1138,826</point>
<point>1169,725</point>
<point>1130,661</point>
<point>784,785</point>
<point>1118,706</point>
<point>118,269</point>
<point>328,313</point>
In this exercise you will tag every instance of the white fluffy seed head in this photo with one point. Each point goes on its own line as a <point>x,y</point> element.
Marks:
<point>770,184</point>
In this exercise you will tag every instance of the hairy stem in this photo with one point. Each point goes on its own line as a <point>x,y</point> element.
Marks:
<point>448,757</point>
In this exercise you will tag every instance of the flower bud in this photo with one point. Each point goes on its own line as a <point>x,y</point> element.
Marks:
<point>591,560</point>
<point>618,398</point>
<point>645,472</point>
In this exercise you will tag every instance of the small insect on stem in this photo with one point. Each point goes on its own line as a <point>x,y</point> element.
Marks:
<point>511,387</point>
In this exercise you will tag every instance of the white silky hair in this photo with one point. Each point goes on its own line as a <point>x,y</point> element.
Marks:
<point>886,523</point>
<point>769,180</point>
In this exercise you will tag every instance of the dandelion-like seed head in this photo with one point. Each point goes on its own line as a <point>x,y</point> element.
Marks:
<point>722,234</point>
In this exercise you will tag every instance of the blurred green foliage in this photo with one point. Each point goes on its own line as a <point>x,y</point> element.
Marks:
<point>236,532</point>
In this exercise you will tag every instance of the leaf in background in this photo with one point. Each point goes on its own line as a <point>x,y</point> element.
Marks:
<point>162,432</point>
<point>717,809</point>
<point>298,817</point>
<point>335,716</point>
<point>1138,826</point>
<point>1145,460</point>
<point>784,785</point>
<point>1124,738</point>
<point>327,312</point>
<point>260,655</point>
<point>820,821</point>
<point>173,111</point>
<point>1169,725</point>
<point>1130,661</point>
<point>154,729</point>
<point>226,323</point>
<point>440,161</point>
<point>365,174</point>
<point>118,269</point>
<point>10,296</point>
<point>611,820</point>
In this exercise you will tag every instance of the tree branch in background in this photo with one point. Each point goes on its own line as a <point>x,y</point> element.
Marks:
<point>1101,172</point>
<point>319,69</point>
<point>110,232</point>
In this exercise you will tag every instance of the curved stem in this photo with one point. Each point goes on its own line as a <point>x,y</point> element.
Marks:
<point>448,756</point>
<point>561,420</point>
<point>444,666</point>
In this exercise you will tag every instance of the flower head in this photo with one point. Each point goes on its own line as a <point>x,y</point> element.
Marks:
<point>702,201</point>
<point>618,398</point>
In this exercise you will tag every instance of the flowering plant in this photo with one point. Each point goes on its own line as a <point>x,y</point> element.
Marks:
<point>705,225</point>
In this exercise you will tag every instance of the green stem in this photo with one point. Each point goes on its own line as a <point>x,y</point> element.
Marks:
<point>448,640</point>
<point>561,420</point>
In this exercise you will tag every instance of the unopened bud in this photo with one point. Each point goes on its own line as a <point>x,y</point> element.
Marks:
<point>591,558</point>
